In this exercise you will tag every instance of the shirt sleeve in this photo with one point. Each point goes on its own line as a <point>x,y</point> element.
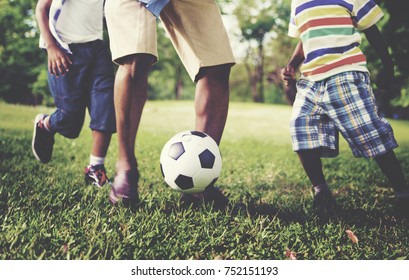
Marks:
<point>155,6</point>
<point>366,13</point>
<point>292,27</point>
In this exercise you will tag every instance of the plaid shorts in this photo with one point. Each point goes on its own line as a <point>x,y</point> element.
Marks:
<point>344,103</point>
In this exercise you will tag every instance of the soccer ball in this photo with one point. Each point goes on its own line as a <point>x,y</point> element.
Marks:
<point>190,161</point>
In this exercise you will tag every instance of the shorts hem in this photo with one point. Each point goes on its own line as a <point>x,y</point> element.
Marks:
<point>367,154</point>
<point>102,129</point>
<point>325,151</point>
<point>116,59</point>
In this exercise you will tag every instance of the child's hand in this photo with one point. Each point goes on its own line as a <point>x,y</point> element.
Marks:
<point>58,61</point>
<point>288,75</point>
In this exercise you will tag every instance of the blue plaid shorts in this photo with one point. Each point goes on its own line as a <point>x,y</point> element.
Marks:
<point>341,103</point>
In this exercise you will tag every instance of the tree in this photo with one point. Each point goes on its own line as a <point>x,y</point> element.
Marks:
<point>168,78</point>
<point>21,60</point>
<point>396,32</point>
<point>259,22</point>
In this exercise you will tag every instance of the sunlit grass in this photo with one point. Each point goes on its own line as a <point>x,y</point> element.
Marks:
<point>48,213</point>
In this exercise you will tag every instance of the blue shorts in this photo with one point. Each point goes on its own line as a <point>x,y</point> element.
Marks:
<point>89,83</point>
<point>344,103</point>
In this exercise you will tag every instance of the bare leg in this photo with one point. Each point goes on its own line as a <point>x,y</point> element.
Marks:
<point>211,105</point>
<point>130,94</point>
<point>311,162</point>
<point>390,166</point>
<point>323,202</point>
<point>100,143</point>
<point>131,90</point>
<point>212,100</point>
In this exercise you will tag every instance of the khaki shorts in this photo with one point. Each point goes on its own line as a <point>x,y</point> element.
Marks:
<point>195,28</point>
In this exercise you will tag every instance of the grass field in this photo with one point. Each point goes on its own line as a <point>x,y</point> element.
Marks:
<point>48,213</point>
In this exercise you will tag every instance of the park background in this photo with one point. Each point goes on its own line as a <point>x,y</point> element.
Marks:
<point>48,213</point>
<point>258,32</point>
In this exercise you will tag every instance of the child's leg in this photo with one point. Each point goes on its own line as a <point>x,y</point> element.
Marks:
<point>311,162</point>
<point>95,172</point>
<point>390,166</point>
<point>100,143</point>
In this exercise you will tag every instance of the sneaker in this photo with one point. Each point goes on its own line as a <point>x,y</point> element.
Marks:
<point>96,175</point>
<point>43,140</point>
<point>324,203</point>
<point>125,188</point>
<point>211,195</point>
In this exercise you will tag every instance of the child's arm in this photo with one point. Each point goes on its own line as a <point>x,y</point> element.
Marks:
<point>58,61</point>
<point>288,73</point>
<point>386,75</point>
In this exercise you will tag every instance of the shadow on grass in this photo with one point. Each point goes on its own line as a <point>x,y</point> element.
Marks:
<point>352,216</point>
<point>294,212</point>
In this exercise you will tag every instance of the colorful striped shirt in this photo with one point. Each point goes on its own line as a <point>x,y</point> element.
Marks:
<point>329,32</point>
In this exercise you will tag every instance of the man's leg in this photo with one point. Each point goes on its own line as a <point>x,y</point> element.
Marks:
<point>212,100</point>
<point>211,106</point>
<point>130,94</point>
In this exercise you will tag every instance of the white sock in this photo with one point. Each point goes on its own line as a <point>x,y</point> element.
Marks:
<point>320,188</point>
<point>45,124</point>
<point>94,160</point>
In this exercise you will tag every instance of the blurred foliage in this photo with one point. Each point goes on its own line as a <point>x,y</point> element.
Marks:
<point>260,29</point>
<point>20,58</point>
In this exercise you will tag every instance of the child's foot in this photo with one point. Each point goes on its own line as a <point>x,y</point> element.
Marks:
<point>211,195</point>
<point>43,140</point>
<point>96,175</point>
<point>402,204</point>
<point>324,203</point>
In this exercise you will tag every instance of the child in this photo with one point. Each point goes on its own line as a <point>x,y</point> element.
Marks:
<point>334,92</point>
<point>80,76</point>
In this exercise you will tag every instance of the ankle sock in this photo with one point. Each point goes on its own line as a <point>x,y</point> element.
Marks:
<point>94,160</point>
<point>45,125</point>
<point>321,188</point>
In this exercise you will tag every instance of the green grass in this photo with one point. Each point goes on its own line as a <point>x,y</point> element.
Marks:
<point>48,213</point>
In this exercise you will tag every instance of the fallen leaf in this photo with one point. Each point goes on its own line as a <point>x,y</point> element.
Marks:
<point>291,255</point>
<point>65,248</point>
<point>352,236</point>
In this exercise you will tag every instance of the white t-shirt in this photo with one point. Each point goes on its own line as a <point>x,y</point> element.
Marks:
<point>80,21</point>
<point>75,21</point>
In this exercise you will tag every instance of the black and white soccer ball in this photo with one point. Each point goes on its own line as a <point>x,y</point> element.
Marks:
<point>190,161</point>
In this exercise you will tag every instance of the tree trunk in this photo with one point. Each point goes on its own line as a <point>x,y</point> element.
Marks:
<point>260,73</point>
<point>178,83</point>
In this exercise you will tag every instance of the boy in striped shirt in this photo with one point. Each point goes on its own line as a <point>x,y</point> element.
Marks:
<point>334,92</point>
